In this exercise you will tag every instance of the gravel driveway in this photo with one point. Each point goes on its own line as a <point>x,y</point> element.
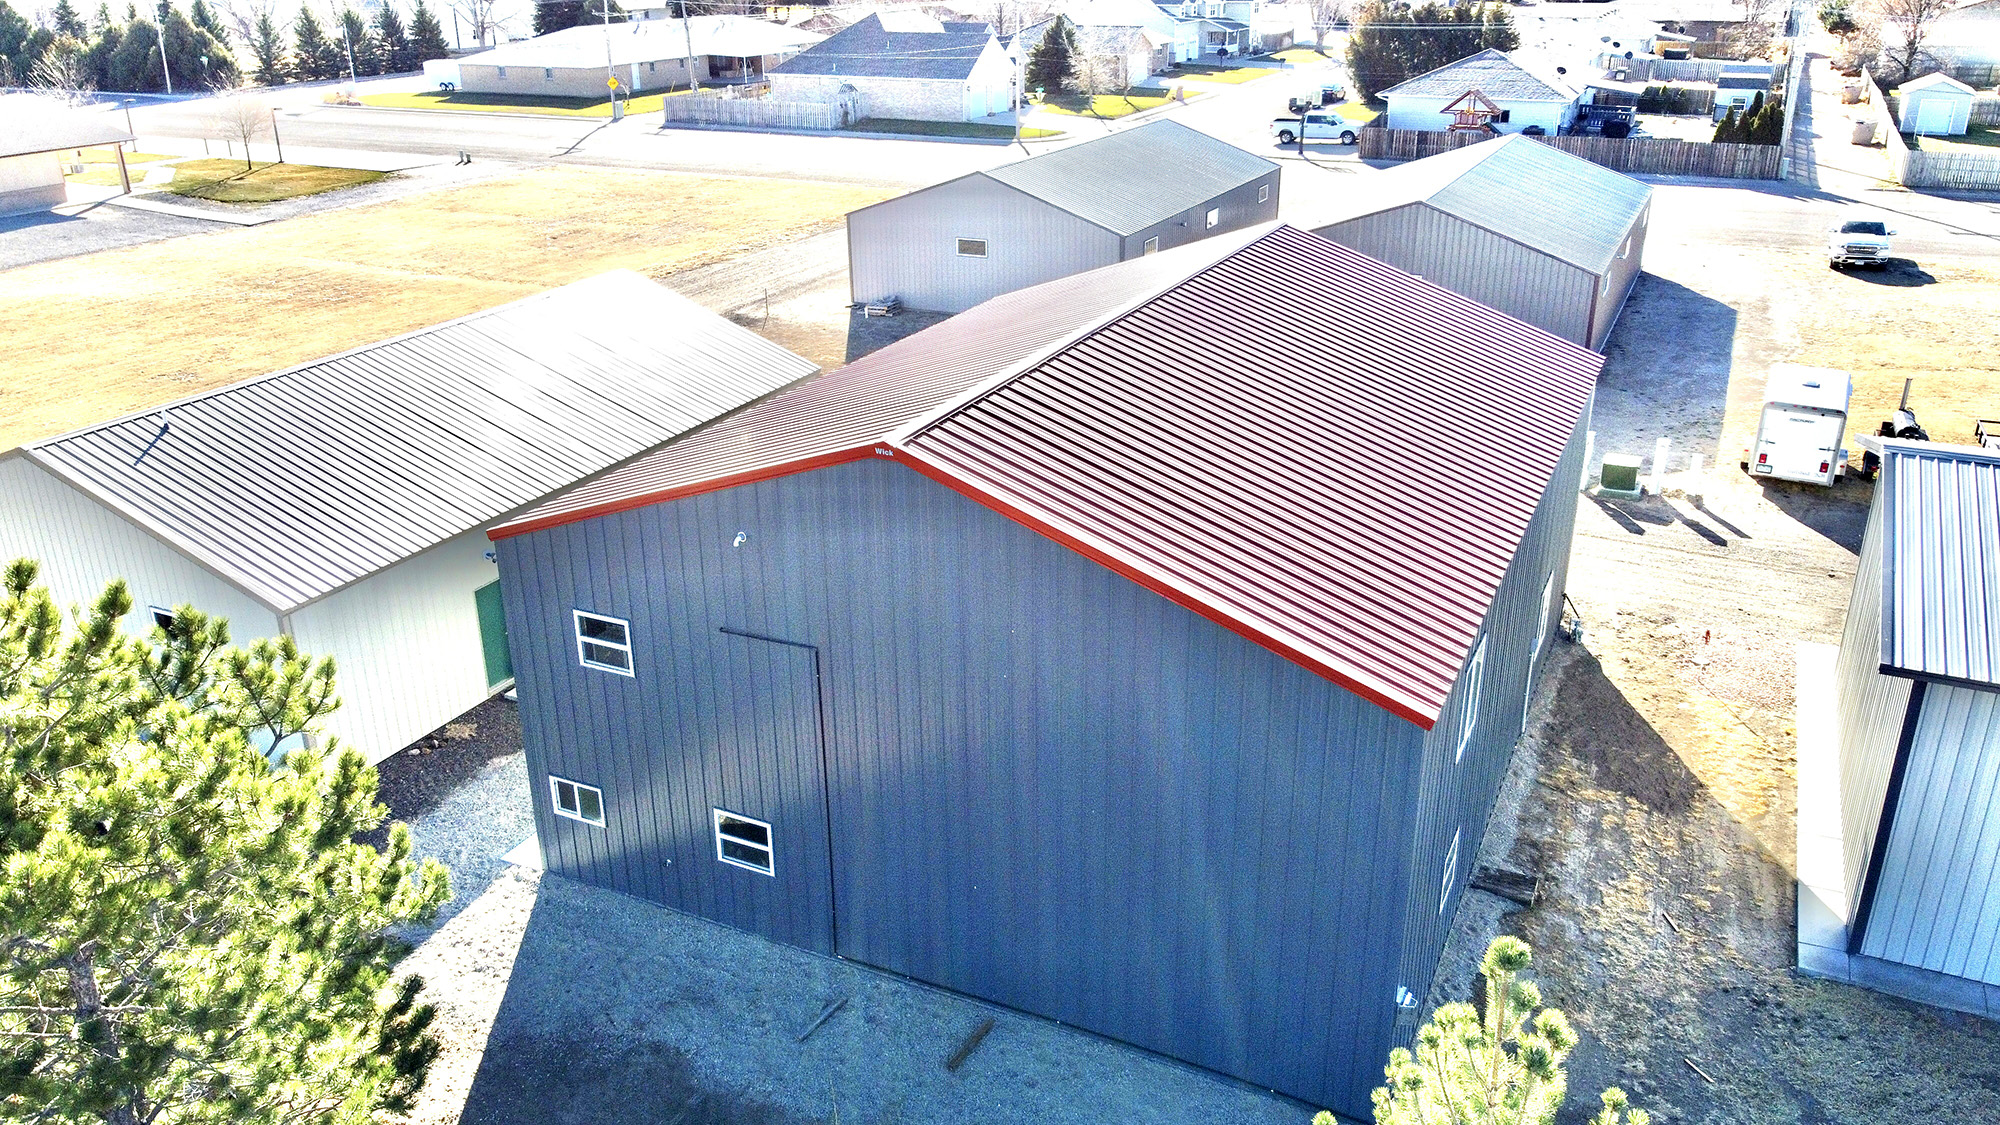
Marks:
<point>44,236</point>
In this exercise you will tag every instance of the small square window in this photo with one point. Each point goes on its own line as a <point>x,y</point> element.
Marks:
<point>162,617</point>
<point>1475,673</point>
<point>1263,193</point>
<point>604,643</point>
<point>652,67</point>
<point>1153,245</point>
<point>1214,216</point>
<point>549,74</point>
<point>503,72</point>
<point>972,248</point>
<point>743,842</point>
<point>577,801</point>
<point>1450,873</point>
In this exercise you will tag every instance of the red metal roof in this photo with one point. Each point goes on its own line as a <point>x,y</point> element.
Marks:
<point>1317,451</point>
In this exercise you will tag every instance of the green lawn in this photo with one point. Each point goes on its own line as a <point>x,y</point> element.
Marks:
<point>1299,55</point>
<point>225,181</point>
<point>1357,112</point>
<point>946,129</point>
<point>513,103</point>
<point>1977,138</point>
<point>1103,105</point>
<point>1202,72</point>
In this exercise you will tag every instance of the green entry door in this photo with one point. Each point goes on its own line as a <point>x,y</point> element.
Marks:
<point>493,635</point>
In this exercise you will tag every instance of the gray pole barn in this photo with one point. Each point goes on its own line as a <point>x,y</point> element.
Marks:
<point>948,247</point>
<point>1118,651</point>
<point>1539,234</point>
<point>1916,838</point>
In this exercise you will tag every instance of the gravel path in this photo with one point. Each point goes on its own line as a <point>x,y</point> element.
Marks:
<point>44,236</point>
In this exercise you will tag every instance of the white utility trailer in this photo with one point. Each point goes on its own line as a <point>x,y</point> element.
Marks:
<point>1804,420</point>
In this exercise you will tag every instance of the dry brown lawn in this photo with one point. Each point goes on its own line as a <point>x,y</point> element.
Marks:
<point>106,334</point>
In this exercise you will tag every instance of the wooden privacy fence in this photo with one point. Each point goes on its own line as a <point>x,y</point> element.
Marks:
<point>1985,110</point>
<point>1915,168</point>
<point>696,109</point>
<point>1646,155</point>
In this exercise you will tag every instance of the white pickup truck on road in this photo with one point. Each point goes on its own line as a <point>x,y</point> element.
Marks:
<point>1320,125</point>
<point>1858,242</point>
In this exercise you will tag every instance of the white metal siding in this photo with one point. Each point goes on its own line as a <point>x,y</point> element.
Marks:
<point>405,644</point>
<point>908,247</point>
<point>1871,708</point>
<point>1523,283</point>
<point>1937,904</point>
<point>83,545</point>
<point>1618,281</point>
<point>1958,109</point>
<point>1407,111</point>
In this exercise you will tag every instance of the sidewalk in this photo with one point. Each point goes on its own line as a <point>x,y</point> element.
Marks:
<point>1823,154</point>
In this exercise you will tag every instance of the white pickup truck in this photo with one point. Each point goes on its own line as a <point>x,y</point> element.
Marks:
<point>1858,242</point>
<point>1321,125</point>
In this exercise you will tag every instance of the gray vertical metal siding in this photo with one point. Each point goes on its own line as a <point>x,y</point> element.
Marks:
<point>1457,794</point>
<point>1239,209</point>
<point>1050,787</point>
<point>1622,274</point>
<point>908,247</point>
<point>1526,284</point>
<point>1871,707</point>
<point>1937,901</point>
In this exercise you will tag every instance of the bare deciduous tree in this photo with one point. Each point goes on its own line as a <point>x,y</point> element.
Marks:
<point>1328,15</point>
<point>482,19</point>
<point>241,117</point>
<point>242,16</point>
<point>63,72</point>
<point>1904,27</point>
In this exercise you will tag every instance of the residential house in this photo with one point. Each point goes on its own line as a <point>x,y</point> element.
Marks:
<point>1521,95</point>
<point>903,65</point>
<point>948,247</point>
<point>40,132</point>
<point>1737,89</point>
<point>1220,32</point>
<point>342,502</point>
<point>1182,37</point>
<point>1936,105</point>
<point>653,54</point>
<point>1899,744</point>
<point>1968,37</point>
<point>1105,652</point>
<point>1539,234</point>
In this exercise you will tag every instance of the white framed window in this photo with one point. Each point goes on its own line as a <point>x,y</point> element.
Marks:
<point>1153,245</point>
<point>1263,195</point>
<point>1450,871</point>
<point>1535,654</point>
<point>603,642</point>
<point>1214,216</point>
<point>742,841</point>
<point>1475,677</point>
<point>972,248</point>
<point>577,801</point>
<point>162,616</point>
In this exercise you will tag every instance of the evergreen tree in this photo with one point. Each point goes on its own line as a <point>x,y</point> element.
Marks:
<point>1729,130</point>
<point>199,60</point>
<point>1766,124</point>
<point>315,56</point>
<point>134,64</point>
<point>68,22</point>
<point>204,17</point>
<point>555,15</point>
<point>1503,1064</point>
<point>426,35</point>
<point>100,22</point>
<point>1496,28</point>
<point>367,54</point>
<point>1052,64</point>
<point>1392,43</point>
<point>21,46</point>
<point>188,933</point>
<point>398,55</point>
<point>267,47</point>
<point>98,55</point>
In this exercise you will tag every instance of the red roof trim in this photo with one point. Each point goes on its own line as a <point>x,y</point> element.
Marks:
<point>713,484</point>
<point>1186,601</point>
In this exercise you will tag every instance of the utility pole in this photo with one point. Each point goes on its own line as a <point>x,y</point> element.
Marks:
<point>687,33</point>
<point>165,10</point>
<point>275,138</point>
<point>352,79</point>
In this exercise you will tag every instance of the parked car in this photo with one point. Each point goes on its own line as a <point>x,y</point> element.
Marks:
<point>1331,91</point>
<point>1319,127</point>
<point>1858,242</point>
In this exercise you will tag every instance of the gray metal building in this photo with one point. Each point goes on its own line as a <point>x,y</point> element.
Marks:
<point>1103,651</point>
<point>343,502</point>
<point>1532,231</point>
<point>948,247</point>
<point>1919,711</point>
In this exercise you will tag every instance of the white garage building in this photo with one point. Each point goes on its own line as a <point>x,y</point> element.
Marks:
<point>35,134</point>
<point>903,65</point>
<point>342,502</point>
<point>1523,94</point>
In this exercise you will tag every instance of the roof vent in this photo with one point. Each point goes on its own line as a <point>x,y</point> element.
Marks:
<point>1562,70</point>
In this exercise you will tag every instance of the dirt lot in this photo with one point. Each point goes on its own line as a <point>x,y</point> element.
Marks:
<point>270,296</point>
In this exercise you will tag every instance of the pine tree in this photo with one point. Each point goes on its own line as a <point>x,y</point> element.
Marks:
<point>21,46</point>
<point>199,59</point>
<point>426,35</point>
<point>100,22</point>
<point>398,55</point>
<point>204,17</point>
<point>315,56</point>
<point>1052,64</point>
<point>68,22</point>
<point>1496,28</point>
<point>1729,130</point>
<point>1503,1064</point>
<point>267,47</point>
<point>187,931</point>
<point>556,15</point>
<point>367,54</point>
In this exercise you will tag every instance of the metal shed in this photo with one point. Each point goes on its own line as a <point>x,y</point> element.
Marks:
<point>1911,832</point>
<point>949,247</point>
<point>1936,105</point>
<point>1124,650</point>
<point>1530,230</point>
<point>341,502</point>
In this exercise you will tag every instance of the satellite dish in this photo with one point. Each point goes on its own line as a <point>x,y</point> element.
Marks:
<point>1615,46</point>
<point>1604,39</point>
<point>1562,70</point>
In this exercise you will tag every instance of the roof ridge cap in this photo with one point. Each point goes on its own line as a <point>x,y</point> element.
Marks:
<point>910,431</point>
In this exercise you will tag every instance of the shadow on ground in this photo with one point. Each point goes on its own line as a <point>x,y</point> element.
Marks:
<point>867,334</point>
<point>1666,370</point>
<point>1896,272</point>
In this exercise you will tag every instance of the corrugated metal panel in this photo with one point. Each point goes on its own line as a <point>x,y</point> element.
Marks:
<point>1246,438</point>
<point>1872,708</point>
<point>1049,787</point>
<point>908,247</point>
<point>1188,443</point>
<point>1937,902</point>
<point>297,484</point>
<point>1619,278</point>
<point>867,49</point>
<point>1518,188</point>
<point>1941,562</point>
<point>1473,262</point>
<point>1133,179</point>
